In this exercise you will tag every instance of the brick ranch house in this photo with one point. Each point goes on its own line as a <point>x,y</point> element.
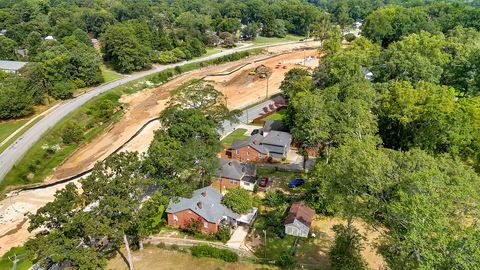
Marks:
<point>233,174</point>
<point>258,148</point>
<point>205,207</point>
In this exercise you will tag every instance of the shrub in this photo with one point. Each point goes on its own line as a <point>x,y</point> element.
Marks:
<point>274,198</point>
<point>223,234</point>
<point>213,252</point>
<point>167,57</point>
<point>161,245</point>
<point>238,200</point>
<point>192,227</point>
<point>286,261</point>
<point>349,37</point>
<point>72,133</point>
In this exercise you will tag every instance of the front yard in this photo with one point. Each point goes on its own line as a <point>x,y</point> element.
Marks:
<point>238,134</point>
<point>154,258</point>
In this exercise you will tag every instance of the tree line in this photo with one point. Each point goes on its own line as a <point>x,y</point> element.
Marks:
<point>133,35</point>
<point>396,125</point>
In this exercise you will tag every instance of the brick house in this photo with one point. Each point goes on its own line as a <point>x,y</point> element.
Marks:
<point>205,208</point>
<point>258,148</point>
<point>233,174</point>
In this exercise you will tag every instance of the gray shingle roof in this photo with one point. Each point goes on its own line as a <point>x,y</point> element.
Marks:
<point>234,169</point>
<point>212,210</point>
<point>11,65</point>
<point>279,138</point>
<point>252,141</point>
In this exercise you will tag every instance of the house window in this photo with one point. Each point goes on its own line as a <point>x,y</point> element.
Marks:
<point>233,182</point>
<point>205,225</point>
<point>175,217</point>
<point>238,152</point>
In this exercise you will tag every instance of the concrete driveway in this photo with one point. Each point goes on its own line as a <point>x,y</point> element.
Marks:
<point>238,237</point>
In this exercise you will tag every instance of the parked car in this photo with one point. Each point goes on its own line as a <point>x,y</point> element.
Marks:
<point>256,131</point>
<point>263,182</point>
<point>296,183</point>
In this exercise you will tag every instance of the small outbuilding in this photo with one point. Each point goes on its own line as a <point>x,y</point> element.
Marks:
<point>11,66</point>
<point>299,219</point>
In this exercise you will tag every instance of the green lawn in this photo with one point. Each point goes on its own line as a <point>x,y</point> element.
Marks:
<point>237,134</point>
<point>109,75</point>
<point>23,264</point>
<point>264,40</point>
<point>280,179</point>
<point>211,51</point>
<point>277,116</point>
<point>8,127</point>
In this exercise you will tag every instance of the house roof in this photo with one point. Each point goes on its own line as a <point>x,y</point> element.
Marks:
<point>234,169</point>
<point>212,210</point>
<point>279,138</point>
<point>300,213</point>
<point>271,125</point>
<point>11,65</point>
<point>252,141</point>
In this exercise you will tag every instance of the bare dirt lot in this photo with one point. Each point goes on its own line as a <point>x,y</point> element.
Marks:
<point>240,88</point>
<point>142,107</point>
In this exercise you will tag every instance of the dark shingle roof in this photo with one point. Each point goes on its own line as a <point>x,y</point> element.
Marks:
<point>300,212</point>
<point>252,141</point>
<point>234,169</point>
<point>278,138</point>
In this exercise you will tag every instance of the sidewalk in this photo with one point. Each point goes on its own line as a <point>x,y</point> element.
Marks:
<point>238,237</point>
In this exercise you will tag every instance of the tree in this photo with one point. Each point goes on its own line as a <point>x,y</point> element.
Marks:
<point>345,252</point>
<point>416,57</point>
<point>202,96</point>
<point>239,200</point>
<point>231,25</point>
<point>123,50</point>
<point>250,31</point>
<point>72,133</point>
<point>7,48</point>
<point>15,99</point>
<point>296,80</point>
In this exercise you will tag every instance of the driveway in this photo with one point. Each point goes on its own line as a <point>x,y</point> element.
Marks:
<point>238,237</point>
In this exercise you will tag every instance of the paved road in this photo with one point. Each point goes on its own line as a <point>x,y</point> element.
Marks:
<point>17,149</point>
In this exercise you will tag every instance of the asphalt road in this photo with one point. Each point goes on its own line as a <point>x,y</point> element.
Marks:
<point>17,149</point>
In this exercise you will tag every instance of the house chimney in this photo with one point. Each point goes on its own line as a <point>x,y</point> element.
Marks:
<point>199,204</point>
<point>229,163</point>
<point>204,194</point>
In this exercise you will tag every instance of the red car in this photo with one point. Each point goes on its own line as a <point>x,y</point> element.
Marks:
<point>263,182</point>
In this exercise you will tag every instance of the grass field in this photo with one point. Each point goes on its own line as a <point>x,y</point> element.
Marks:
<point>23,262</point>
<point>109,75</point>
<point>265,40</point>
<point>277,116</point>
<point>153,258</point>
<point>7,128</point>
<point>237,134</point>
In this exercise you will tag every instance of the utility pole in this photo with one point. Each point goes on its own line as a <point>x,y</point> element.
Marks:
<point>265,245</point>
<point>266,93</point>
<point>247,117</point>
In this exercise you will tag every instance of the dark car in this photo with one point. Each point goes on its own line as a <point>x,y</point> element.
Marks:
<point>296,183</point>
<point>256,131</point>
<point>263,182</point>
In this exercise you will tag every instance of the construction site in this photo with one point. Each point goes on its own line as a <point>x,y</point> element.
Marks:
<point>244,83</point>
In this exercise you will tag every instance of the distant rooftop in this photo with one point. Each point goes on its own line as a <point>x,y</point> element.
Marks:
<point>11,65</point>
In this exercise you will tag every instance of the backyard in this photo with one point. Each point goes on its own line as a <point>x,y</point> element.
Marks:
<point>154,258</point>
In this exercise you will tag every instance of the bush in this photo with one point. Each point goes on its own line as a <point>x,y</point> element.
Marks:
<point>192,227</point>
<point>167,57</point>
<point>349,37</point>
<point>213,252</point>
<point>238,200</point>
<point>223,234</point>
<point>286,261</point>
<point>275,198</point>
<point>161,245</point>
<point>72,133</point>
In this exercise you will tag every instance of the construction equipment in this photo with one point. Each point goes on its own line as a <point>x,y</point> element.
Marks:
<point>252,73</point>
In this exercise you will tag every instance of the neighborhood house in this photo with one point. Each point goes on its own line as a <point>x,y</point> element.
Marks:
<point>299,219</point>
<point>205,207</point>
<point>258,148</point>
<point>233,174</point>
<point>11,66</point>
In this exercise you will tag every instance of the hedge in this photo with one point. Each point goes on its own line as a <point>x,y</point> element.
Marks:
<point>213,252</point>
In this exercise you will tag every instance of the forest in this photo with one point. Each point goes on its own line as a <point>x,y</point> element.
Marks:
<point>132,35</point>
